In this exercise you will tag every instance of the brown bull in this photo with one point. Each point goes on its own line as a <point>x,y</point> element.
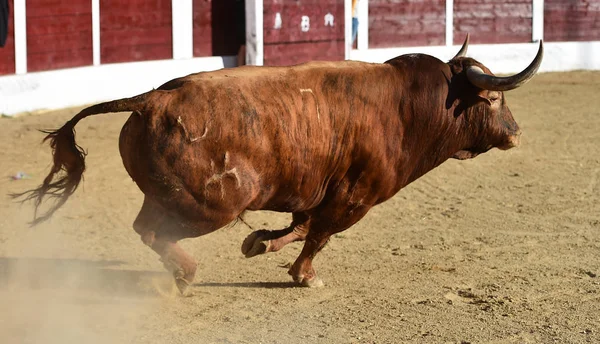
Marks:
<point>325,141</point>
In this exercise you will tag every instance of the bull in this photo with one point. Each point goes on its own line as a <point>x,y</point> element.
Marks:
<point>325,141</point>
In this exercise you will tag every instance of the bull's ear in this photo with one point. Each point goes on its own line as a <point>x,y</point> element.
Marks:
<point>488,96</point>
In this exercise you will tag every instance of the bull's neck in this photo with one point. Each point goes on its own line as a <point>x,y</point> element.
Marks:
<point>427,142</point>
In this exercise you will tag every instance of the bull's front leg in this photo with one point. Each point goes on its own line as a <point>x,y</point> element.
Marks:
<point>332,217</point>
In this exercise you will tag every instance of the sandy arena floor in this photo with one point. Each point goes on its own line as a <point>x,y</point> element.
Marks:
<point>504,248</point>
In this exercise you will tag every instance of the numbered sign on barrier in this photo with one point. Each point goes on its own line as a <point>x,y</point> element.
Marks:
<point>297,31</point>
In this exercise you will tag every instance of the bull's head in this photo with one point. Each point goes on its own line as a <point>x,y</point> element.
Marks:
<point>477,94</point>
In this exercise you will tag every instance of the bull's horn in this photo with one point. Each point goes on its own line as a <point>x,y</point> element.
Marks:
<point>463,50</point>
<point>485,81</point>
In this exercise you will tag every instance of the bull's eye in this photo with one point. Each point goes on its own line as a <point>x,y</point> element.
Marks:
<point>493,96</point>
<point>490,97</point>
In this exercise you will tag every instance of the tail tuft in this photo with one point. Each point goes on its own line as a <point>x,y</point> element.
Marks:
<point>69,157</point>
<point>65,175</point>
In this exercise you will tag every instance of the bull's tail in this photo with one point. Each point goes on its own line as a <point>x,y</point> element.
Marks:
<point>69,157</point>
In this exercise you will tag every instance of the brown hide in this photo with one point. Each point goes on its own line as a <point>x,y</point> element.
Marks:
<point>286,138</point>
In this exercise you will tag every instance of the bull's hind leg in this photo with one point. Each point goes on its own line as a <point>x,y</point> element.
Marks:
<point>161,229</point>
<point>263,241</point>
<point>150,224</point>
<point>174,258</point>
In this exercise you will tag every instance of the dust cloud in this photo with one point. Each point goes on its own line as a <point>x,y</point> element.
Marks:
<point>47,297</point>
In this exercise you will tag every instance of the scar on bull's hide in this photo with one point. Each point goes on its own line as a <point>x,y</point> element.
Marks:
<point>187,134</point>
<point>308,90</point>
<point>217,177</point>
<point>355,205</point>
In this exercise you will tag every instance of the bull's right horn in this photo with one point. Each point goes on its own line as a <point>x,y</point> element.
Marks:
<point>463,50</point>
<point>479,78</point>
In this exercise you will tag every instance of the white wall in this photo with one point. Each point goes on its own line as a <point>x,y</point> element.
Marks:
<point>504,58</point>
<point>77,86</point>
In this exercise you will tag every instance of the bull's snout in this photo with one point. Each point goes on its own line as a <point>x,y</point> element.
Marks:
<point>513,141</point>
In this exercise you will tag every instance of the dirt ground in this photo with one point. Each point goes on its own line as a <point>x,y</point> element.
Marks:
<point>504,248</point>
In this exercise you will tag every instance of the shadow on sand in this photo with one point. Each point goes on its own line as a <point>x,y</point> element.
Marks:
<point>78,274</point>
<point>101,277</point>
<point>252,285</point>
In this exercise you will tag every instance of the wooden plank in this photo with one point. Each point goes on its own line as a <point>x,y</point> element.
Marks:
<point>493,21</point>
<point>285,54</point>
<point>58,36</point>
<point>574,20</point>
<point>202,28</point>
<point>136,30</point>
<point>136,6</point>
<point>136,36</point>
<point>58,59</point>
<point>51,25</point>
<point>291,15</point>
<point>7,53</point>
<point>115,21</point>
<point>136,53</point>
<point>399,23</point>
<point>45,8</point>
<point>289,44</point>
<point>59,42</point>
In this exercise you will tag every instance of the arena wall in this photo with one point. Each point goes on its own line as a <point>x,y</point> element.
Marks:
<point>304,30</point>
<point>493,21</point>
<point>396,23</point>
<point>62,54</point>
<point>59,34</point>
<point>503,32</point>
<point>134,30</point>
<point>568,20</point>
<point>7,53</point>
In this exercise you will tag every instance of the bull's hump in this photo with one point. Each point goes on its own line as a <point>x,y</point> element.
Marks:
<point>245,72</point>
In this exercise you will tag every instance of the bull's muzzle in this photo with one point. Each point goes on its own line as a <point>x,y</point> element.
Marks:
<point>513,141</point>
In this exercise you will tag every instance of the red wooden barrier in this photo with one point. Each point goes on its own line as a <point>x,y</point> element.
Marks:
<point>202,28</point>
<point>135,30</point>
<point>572,20</point>
<point>287,41</point>
<point>7,53</point>
<point>402,23</point>
<point>59,34</point>
<point>493,21</point>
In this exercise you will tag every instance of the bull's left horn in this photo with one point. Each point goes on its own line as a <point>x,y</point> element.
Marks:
<point>463,50</point>
<point>495,83</point>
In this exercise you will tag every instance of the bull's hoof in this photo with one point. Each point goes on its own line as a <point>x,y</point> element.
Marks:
<point>182,284</point>
<point>182,281</point>
<point>182,278</point>
<point>256,243</point>
<point>315,282</point>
